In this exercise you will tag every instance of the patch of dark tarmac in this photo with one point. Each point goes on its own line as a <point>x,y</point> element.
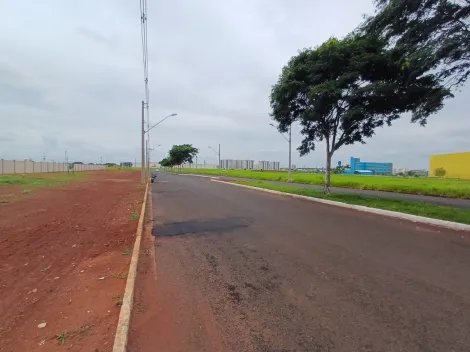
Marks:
<point>210,226</point>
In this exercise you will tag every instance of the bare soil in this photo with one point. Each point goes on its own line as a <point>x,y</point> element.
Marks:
<point>64,257</point>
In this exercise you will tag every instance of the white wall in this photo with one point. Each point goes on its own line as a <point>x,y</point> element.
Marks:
<point>8,167</point>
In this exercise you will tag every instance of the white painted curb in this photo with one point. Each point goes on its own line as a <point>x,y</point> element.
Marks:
<point>122,330</point>
<point>196,175</point>
<point>394,214</point>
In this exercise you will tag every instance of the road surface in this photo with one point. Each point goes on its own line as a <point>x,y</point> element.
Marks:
<point>241,270</point>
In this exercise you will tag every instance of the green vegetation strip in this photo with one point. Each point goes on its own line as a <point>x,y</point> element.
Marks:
<point>41,180</point>
<point>461,215</point>
<point>442,187</point>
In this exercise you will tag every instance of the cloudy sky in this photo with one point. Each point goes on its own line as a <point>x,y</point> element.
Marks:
<point>71,78</point>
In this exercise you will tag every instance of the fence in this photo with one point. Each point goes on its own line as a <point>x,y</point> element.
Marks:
<point>31,167</point>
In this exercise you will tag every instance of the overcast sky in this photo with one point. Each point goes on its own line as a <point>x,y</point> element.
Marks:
<point>71,78</point>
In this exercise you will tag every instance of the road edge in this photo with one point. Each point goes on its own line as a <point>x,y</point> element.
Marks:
<point>394,214</point>
<point>122,330</point>
<point>197,175</point>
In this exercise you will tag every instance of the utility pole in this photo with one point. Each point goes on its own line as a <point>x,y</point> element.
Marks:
<point>142,174</point>
<point>148,157</point>
<point>289,140</point>
<point>290,155</point>
<point>148,138</point>
<point>67,161</point>
<point>218,153</point>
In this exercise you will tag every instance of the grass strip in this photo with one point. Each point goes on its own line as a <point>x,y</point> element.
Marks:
<point>453,188</point>
<point>442,212</point>
<point>42,179</point>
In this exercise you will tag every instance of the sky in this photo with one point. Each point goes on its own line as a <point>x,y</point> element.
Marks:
<point>71,79</point>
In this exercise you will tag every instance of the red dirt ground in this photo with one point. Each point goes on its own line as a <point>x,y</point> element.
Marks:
<point>64,260</point>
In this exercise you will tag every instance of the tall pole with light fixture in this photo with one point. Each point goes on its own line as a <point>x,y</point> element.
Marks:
<point>218,153</point>
<point>142,166</point>
<point>289,140</point>
<point>145,157</point>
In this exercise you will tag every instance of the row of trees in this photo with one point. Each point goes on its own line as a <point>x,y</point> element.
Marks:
<point>408,58</point>
<point>179,154</point>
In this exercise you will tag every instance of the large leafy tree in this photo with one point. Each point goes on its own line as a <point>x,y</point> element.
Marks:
<point>433,33</point>
<point>343,90</point>
<point>180,154</point>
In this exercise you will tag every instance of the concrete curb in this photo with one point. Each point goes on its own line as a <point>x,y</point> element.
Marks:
<point>122,330</point>
<point>414,218</point>
<point>196,175</point>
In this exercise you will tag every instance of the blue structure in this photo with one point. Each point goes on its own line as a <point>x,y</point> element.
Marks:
<point>359,167</point>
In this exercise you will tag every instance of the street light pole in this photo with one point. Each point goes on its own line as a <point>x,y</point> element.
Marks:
<point>145,167</point>
<point>289,179</point>
<point>142,166</point>
<point>148,155</point>
<point>218,153</point>
<point>289,140</point>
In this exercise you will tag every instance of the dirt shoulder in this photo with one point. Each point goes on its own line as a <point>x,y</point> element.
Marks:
<point>65,253</point>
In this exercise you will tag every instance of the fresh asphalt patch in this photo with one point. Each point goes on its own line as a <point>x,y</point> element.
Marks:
<point>209,226</point>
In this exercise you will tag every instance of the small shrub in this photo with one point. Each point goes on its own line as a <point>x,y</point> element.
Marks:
<point>440,172</point>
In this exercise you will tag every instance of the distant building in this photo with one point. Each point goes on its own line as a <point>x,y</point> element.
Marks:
<point>400,170</point>
<point>369,168</point>
<point>236,164</point>
<point>268,165</point>
<point>456,165</point>
<point>126,164</point>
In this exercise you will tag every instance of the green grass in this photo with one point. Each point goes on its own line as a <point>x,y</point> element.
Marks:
<point>413,185</point>
<point>31,181</point>
<point>461,215</point>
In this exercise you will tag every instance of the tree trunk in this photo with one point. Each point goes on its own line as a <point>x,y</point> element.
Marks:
<point>328,169</point>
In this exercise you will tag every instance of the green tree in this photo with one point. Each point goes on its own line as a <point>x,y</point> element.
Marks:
<point>440,172</point>
<point>343,90</point>
<point>341,169</point>
<point>433,34</point>
<point>166,162</point>
<point>180,154</point>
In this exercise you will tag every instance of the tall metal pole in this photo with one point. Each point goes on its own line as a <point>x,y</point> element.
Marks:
<point>219,155</point>
<point>142,172</point>
<point>148,140</point>
<point>290,155</point>
<point>66,162</point>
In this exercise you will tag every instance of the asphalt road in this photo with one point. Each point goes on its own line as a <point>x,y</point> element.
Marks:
<point>453,202</point>
<point>240,270</point>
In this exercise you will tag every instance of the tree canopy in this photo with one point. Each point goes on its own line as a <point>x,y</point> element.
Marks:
<point>433,33</point>
<point>341,91</point>
<point>179,154</point>
<point>166,162</point>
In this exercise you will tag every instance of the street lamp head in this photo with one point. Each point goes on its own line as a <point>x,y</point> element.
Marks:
<point>174,114</point>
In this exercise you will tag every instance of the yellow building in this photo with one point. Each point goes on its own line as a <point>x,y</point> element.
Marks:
<point>456,165</point>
